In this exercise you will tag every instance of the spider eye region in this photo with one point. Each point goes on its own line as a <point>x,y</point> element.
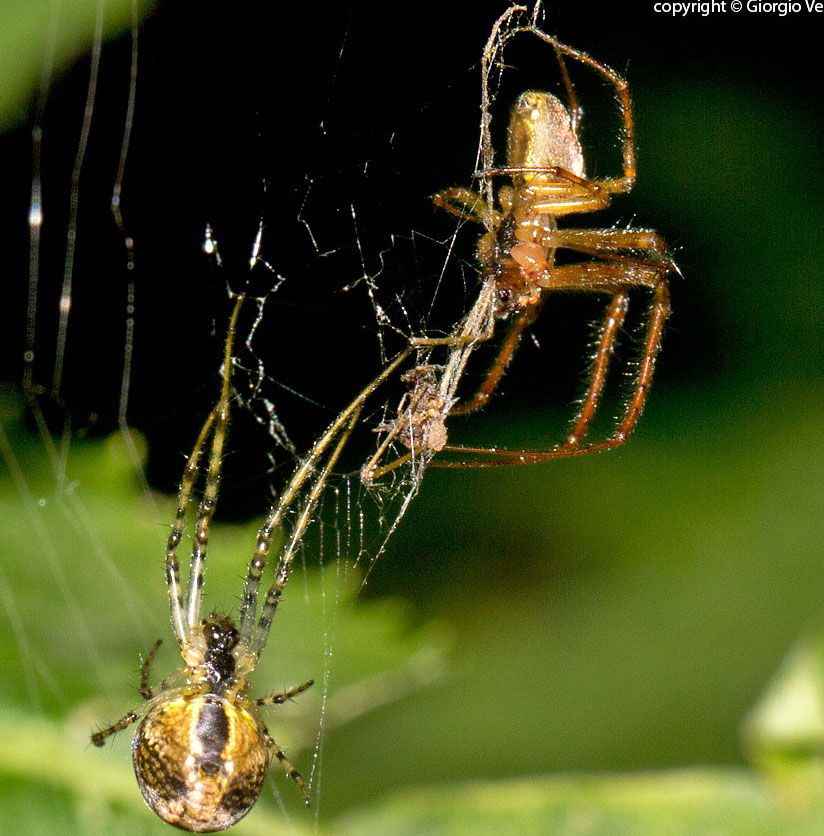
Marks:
<point>200,761</point>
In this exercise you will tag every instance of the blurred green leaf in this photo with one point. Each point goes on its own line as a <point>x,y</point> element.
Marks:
<point>37,31</point>
<point>785,731</point>
<point>681,803</point>
<point>82,593</point>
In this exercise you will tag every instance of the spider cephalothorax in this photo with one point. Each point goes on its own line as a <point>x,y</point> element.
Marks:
<point>219,661</point>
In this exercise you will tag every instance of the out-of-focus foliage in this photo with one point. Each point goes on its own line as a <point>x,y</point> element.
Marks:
<point>72,667</point>
<point>34,29</point>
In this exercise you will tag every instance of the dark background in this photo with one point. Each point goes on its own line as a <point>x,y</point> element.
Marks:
<point>378,111</point>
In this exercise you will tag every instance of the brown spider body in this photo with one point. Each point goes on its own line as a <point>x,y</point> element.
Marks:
<point>518,266</point>
<point>517,253</point>
<point>514,253</point>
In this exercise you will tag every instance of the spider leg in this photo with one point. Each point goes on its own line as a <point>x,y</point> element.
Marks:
<point>279,699</point>
<point>99,737</point>
<point>187,485</point>
<point>610,244</point>
<point>616,278</point>
<point>496,372</point>
<point>145,691</point>
<point>181,622</point>
<point>341,427</point>
<point>375,473</point>
<point>616,313</point>
<point>270,604</point>
<point>368,471</point>
<point>632,245</point>
<point>466,204</point>
<point>573,107</point>
<point>220,419</point>
<point>606,244</point>
<point>206,509</point>
<point>287,766</point>
<point>659,311</point>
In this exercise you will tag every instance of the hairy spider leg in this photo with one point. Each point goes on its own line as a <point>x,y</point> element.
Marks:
<point>206,509</point>
<point>614,319</point>
<point>607,278</point>
<point>287,766</point>
<point>611,244</point>
<point>520,322</point>
<point>187,484</point>
<point>627,271</point>
<point>270,604</point>
<point>573,107</point>
<point>280,699</point>
<point>145,691</point>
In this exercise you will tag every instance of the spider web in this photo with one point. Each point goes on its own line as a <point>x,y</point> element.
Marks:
<point>156,192</point>
<point>166,181</point>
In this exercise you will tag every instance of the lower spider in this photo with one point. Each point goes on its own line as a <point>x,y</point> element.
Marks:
<point>201,751</point>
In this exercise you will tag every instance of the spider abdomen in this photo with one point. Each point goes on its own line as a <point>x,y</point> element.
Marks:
<point>200,761</point>
<point>542,135</point>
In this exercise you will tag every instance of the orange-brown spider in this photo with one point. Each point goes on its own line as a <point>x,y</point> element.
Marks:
<point>517,256</point>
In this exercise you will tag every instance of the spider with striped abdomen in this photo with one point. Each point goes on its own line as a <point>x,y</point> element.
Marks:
<point>201,751</point>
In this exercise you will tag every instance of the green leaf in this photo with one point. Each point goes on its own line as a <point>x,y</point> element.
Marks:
<point>40,35</point>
